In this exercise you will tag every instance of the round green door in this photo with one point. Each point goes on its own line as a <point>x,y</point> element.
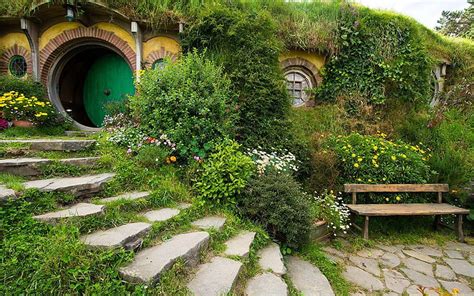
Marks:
<point>109,80</point>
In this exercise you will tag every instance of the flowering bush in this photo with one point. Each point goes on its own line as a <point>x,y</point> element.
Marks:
<point>280,162</point>
<point>330,208</point>
<point>377,160</point>
<point>15,106</point>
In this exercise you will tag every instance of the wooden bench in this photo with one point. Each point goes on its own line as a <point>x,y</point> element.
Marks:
<point>415,209</point>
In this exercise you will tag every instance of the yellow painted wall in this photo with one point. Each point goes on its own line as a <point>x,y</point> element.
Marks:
<point>156,43</point>
<point>55,30</point>
<point>8,40</point>
<point>121,33</point>
<point>315,59</point>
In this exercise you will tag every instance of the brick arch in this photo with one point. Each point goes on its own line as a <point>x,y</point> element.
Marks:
<point>159,54</point>
<point>12,51</point>
<point>70,38</point>
<point>301,62</point>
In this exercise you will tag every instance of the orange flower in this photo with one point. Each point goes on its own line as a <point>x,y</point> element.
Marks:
<point>173,158</point>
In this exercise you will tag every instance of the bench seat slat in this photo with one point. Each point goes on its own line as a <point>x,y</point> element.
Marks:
<point>396,187</point>
<point>415,209</point>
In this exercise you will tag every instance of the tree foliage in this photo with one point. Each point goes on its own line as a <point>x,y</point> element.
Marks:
<point>457,23</point>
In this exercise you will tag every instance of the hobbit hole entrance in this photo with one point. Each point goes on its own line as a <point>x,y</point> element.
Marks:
<point>88,80</point>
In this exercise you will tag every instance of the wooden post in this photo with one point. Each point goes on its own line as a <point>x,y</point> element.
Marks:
<point>440,197</point>
<point>366,228</point>
<point>437,222</point>
<point>354,198</point>
<point>459,229</point>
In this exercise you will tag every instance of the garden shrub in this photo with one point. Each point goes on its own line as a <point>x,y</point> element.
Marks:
<point>276,201</point>
<point>190,101</point>
<point>251,62</point>
<point>27,87</point>
<point>224,174</point>
<point>152,156</point>
<point>376,160</point>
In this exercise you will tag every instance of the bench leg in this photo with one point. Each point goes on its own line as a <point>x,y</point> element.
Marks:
<point>366,228</point>
<point>437,222</point>
<point>459,229</point>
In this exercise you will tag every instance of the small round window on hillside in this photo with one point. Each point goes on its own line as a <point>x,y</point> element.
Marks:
<point>298,83</point>
<point>17,66</point>
<point>158,64</point>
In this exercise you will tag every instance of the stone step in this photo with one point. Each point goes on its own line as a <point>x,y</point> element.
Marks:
<point>126,196</point>
<point>272,259</point>
<point>54,144</point>
<point>79,186</point>
<point>211,222</point>
<point>84,133</point>
<point>161,214</point>
<point>266,284</point>
<point>215,278</point>
<point>78,210</point>
<point>6,193</point>
<point>31,166</point>
<point>240,244</point>
<point>307,278</point>
<point>150,263</point>
<point>128,236</point>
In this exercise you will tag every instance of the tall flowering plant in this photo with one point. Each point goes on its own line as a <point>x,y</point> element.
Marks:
<point>329,207</point>
<point>15,106</point>
<point>278,161</point>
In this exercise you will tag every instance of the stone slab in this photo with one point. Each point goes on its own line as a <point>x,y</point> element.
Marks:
<point>387,248</point>
<point>266,284</point>
<point>78,210</point>
<point>272,259</point>
<point>413,290</point>
<point>370,265</point>
<point>211,222</point>
<point>430,251</point>
<point>6,193</point>
<point>419,256</point>
<point>335,252</point>
<point>126,196</point>
<point>362,279</point>
<point>79,186</point>
<point>184,205</point>
<point>32,166</point>
<point>395,281</point>
<point>307,278</point>
<point>420,279</point>
<point>215,278</point>
<point>462,267</point>
<point>116,237</point>
<point>54,144</point>
<point>444,272</point>
<point>240,244</point>
<point>370,253</point>
<point>390,260</point>
<point>150,263</point>
<point>459,246</point>
<point>418,265</point>
<point>161,214</point>
<point>454,254</point>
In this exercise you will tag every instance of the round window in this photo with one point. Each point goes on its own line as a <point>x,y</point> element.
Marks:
<point>297,83</point>
<point>158,64</point>
<point>17,66</point>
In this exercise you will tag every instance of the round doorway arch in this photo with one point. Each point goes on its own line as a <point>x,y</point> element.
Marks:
<point>86,77</point>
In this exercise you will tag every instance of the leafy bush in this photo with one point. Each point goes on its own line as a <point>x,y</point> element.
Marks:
<point>224,174</point>
<point>374,159</point>
<point>251,62</point>
<point>276,201</point>
<point>27,87</point>
<point>190,101</point>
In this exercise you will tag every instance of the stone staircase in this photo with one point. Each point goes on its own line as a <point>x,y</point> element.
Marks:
<point>217,275</point>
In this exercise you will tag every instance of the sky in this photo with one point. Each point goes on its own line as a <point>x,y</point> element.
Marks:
<point>426,12</point>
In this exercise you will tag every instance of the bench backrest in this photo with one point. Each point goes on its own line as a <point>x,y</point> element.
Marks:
<point>391,188</point>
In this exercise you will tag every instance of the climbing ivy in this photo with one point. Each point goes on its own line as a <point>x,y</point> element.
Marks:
<point>378,56</point>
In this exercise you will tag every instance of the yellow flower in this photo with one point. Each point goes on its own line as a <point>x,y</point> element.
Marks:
<point>398,198</point>
<point>403,156</point>
<point>386,198</point>
<point>356,165</point>
<point>173,158</point>
<point>375,157</point>
<point>455,291</point>
<point>394,157</point>
<point>353,155</point>
<point>359,159</point>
